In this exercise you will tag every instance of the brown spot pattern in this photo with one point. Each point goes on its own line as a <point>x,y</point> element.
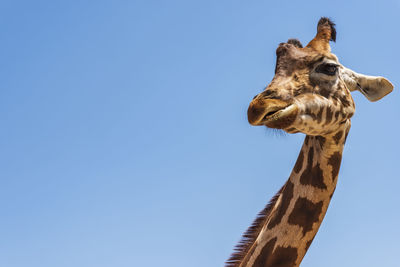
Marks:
<point>337,115</point>
<point>346,134</point>
<point>306,140</point>
<point>312,175</point>
<point>308,244</point>
<point>287,195</point>
<point>305,214</point>
<point>334,161</point>
<point>338,136</point>
<point>345,101</point>
<point>299,162</point>
<point>321,140</point>
<point>280,257</point>
<point>329,115</point>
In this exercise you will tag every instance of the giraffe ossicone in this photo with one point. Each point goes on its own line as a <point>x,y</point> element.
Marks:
<point>310,93</point>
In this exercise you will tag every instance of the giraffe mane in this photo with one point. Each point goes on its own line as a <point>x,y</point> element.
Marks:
<point>250,236</point>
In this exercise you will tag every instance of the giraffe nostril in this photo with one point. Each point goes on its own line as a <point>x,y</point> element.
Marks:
<point>270,94</point>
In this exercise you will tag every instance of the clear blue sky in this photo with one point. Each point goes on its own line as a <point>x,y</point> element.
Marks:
<point>124,139</point>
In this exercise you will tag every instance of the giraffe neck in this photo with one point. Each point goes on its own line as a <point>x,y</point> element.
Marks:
<point>298,209</point>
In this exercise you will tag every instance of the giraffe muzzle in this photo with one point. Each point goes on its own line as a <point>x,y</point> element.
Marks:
<point>272,113</point>
<point>277,114</point>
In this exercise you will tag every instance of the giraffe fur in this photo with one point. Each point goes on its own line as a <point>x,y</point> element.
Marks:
<point>311,94</point>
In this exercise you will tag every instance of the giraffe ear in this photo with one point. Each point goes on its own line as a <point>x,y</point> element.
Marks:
<point>372,87</point>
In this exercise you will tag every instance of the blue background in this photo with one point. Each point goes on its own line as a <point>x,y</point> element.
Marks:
<point>124,138</point>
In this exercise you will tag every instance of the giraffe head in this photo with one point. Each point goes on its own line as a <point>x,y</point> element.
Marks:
<point>310,92</point>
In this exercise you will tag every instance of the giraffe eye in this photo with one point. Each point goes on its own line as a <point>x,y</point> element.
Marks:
<point>328,69</point>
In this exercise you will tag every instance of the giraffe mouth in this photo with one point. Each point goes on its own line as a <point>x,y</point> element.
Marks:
<point>279,113</point>
<point>280,118</point>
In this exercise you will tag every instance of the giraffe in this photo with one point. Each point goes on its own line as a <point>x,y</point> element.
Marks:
<point>310,94</point>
